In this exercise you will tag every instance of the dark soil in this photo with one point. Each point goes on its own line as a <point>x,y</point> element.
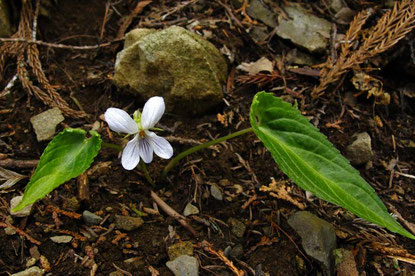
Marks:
<point>239,166</point>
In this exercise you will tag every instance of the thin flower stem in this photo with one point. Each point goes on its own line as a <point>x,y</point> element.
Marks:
<point>182,155</point>
<point>146,174</point>
<point>111,146</point>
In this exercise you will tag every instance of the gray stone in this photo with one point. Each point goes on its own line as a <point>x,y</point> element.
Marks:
<point>128,223</point>
<point>181,66</point>
<point>360,151</point>
<point>61,239</point>
<point>336,5</point>
<point>216,192</point>
<point>22,213</point>
<point>190,209</point>
<point>317,236</point>
<point>179,249</point>
<point>237,227</point>
<point>5,27</point>
<point>297,57</point>
<point>258,10</point>
<point>259,33</point>
<point>304,29</point>
<point>44,124</point>
<point>184,266</point>
<point>90,218</point>
<point>237,251</point>
<point>32,271</point>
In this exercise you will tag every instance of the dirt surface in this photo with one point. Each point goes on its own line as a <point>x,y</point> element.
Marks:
<point>239,167</point>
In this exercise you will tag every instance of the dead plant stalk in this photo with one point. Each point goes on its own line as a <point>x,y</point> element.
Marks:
<point>389,30</point>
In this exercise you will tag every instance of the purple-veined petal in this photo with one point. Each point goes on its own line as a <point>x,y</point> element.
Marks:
<point>131,154</point>
<point>152,112</point>
<point>160,145</point>
<point>146,150</point>
<point>119,121</point>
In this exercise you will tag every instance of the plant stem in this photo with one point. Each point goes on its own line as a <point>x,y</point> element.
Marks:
<point>183,154</point>
<point>146,174</point>
<point>111,146</point>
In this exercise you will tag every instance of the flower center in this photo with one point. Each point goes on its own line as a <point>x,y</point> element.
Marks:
<point>141,133</point>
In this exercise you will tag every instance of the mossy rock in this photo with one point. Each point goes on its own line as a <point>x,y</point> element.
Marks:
<point>180,66</point>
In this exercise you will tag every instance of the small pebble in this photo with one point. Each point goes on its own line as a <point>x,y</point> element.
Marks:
<point>61,239</point>
<point>128,223</point>
<point>22,213</point>
<point>184,266</point>
<point>216,192</point>
<point>90,218</point>
<point>190,209</point>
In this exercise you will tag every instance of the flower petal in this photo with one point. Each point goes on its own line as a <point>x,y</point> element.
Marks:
<point>146,150</point>
<point>161,146</point>
<point>119,121</point>
<point>131,154</point>
<point>152,112</point>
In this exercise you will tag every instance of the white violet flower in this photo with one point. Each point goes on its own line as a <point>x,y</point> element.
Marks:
<point>145,141</point>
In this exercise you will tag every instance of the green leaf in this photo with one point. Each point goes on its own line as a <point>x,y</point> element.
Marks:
<point>313,163</point>
<point>68,155</point>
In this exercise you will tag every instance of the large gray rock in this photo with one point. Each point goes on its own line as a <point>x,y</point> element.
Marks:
<point>179,65</point>
<point>5,27</point>
<point>360,151</point>
<point>304,29</point>
<point>317,236</point>
<point>184,266</point>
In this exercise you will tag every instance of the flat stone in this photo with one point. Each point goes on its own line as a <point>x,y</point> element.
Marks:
<point>184,266</point>
<point>181,66</point>
<point>179,249</point>
<point>237,251</point>
<point>90,218</point>
<point>259,11</point>
<point>317,237</point>
<point>61,239</point>
<point>5,26</point>
<point>44,124</point>
<point>304,29</point>
<point>32,271</point>
<point>22,213</point>
<point>31,262</point>
<point>360,151</point>
<point>128,223</point>
<point>190,209</point>
<point>237,227</point>
<point>216,192</point>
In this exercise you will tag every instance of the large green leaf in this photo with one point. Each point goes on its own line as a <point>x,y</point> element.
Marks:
<point>313,163</point>
<point>68,155</point>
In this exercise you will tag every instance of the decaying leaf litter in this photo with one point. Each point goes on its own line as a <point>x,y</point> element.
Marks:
<point>247,231</point>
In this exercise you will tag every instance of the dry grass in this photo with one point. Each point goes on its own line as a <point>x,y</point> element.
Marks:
<point>27,55</point>
<point>391,28</point>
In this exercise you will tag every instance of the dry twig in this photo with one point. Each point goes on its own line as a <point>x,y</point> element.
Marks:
<point>391,28</point>
<point>28,54</point>
<point>171,212</point>
<point>209,248</point>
